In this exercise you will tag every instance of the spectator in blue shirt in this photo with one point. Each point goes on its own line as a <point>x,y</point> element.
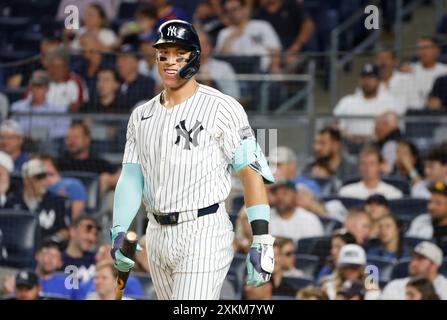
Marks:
<point>71,188</point>
<point>11,141</point>
<point>49,261</point>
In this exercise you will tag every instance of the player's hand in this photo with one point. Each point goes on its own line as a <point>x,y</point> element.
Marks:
<point>122,263</point>
<point>260,260</point>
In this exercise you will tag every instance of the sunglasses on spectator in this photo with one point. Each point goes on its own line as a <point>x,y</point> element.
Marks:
<point>90,226</point>
<point>40,176</point>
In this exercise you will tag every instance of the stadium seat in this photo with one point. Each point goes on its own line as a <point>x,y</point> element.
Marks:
<point>20,234</point>
<point>325,185</point>
<point>13,94</point>
<point>148,286</point>
<point>400,269</point>
<point>29,41</point>
<point>385,267</point>
<point>308,264</point>
<point>412,242</point>
<point>406,209</point>
<point>127,10</point>
<point>330,224</point>
<point>298,283</point>
<point>306,245</point>
<point>14,24</point>
<point>346,201</point>
<point>91,184</point>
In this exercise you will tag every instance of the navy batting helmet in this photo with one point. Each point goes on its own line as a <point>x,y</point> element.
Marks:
<point>181,32</point>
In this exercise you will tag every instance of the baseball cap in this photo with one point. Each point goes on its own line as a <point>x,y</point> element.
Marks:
<point>32,168</point>
<point>439,187</point>
<point>282,154</point>
<point>6,161</point>
<point>350,289</point>
<point>379,199</point>
<point>11,126</point>
<point>286,184</point>
<point>430,251</point>
<point>27,278</point>
<point>370,70</point>
<point>39,77</point>
<point>129,48</point>
<point>351,255</point>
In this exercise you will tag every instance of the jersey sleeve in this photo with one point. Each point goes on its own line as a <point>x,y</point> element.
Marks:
<point>130,150</point>
<point>233,126</point>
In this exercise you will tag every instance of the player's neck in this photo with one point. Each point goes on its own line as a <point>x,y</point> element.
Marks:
<point>174,96</point>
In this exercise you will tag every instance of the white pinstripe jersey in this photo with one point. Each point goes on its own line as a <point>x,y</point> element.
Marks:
<point>185,151</point>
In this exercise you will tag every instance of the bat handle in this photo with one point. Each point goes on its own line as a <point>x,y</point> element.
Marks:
<point>128,249</point>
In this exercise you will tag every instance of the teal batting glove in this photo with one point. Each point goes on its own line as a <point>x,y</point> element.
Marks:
<point>260,260</point>
<point>121,262</point>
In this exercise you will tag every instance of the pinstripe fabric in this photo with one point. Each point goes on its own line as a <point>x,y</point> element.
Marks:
<point>190,260</point>
<point>179,179</point>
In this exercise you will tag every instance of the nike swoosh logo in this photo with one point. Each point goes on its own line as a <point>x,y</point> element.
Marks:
<point>145,118</point>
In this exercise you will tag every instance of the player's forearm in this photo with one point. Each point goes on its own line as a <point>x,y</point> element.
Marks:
<point>128,194</point>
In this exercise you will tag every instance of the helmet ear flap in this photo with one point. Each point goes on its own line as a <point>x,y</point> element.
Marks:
<point>192,67</point>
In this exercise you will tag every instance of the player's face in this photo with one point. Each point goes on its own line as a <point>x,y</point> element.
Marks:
<point>170,59</point>
<point>438,206</point>
<point>49,259</point>
<point>105,282</point>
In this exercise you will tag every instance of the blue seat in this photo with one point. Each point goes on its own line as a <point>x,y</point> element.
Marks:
<point>20,234</point>
<point>385,267</point>
<point>413,242</point>
<point>90,181</point>
<point>127,10</point>
<point>14,24</point>
<point>408,208</point>
<point>308,264</point>
<point>346,201</point>
<point>306,245</point>
<point>400,269</point>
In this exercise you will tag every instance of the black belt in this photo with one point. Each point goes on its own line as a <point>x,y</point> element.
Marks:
<point>172,218</point>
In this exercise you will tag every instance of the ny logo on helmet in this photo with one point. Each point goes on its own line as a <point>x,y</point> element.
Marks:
<point>189,135</point>
<point>172,31</point>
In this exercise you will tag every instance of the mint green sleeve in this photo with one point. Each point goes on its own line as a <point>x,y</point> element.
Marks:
<point>128,195</point>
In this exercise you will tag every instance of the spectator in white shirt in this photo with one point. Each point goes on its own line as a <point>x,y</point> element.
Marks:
<point>370,168</point>
<point>216,73</point>
<point>432,225</point>
<point>289,221</point>
<point>6,168</point>
<point>435,169</point>
<point>426,70</point>
<point>369,101</point>
<point>388,135</point>
<point>397,84</point>
<point>246,37</point>
<point>426,261</point>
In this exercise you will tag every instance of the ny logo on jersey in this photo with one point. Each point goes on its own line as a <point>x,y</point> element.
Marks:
<point>189,135</point>
<point>172,31</point>
<point>47,218</point>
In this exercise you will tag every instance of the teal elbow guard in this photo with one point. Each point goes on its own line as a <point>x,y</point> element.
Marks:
<point>249,153</point>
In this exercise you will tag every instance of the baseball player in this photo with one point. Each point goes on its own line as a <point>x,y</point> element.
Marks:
<point>181,147</point>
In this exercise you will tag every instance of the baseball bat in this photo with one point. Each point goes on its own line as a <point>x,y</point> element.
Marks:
<point>128,249</point>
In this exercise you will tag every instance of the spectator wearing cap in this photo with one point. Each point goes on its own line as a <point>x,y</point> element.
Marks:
<point>351,265</point>
<point>6,168</point>
<point>82,247</point>
<point>37,102</point>
<point>390,245</point>
<point>135,87</point>
<point>435,169</point>
<point>80,157</point>
<point>71,188</point>
<point>328,147</point>
<point>425,71</point>
<point>214,72</point>
<point>67,89</point>
<point>106,100</point>
<point>370,162</point>
<point>11,142</point>
<point>392,81</point>
<point>27,286</point>
<point>52,211</point>
<point>351,290</point>
<point>369,101</point>
<point>338,240</point>
<point>91,61</point>
<point>426,261</point>
<point>420,288</point>
<point>432,225</point>
<point>285,167</point>
<point>95,21</point>
<point>49,261</point>
<point>377,207</point>
<point>388,135</point>
<point>248,37</point>
<point>289,221</point>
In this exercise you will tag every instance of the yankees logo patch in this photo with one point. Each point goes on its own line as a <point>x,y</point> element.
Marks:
<point>172,31</point>
<point>190,136</point>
